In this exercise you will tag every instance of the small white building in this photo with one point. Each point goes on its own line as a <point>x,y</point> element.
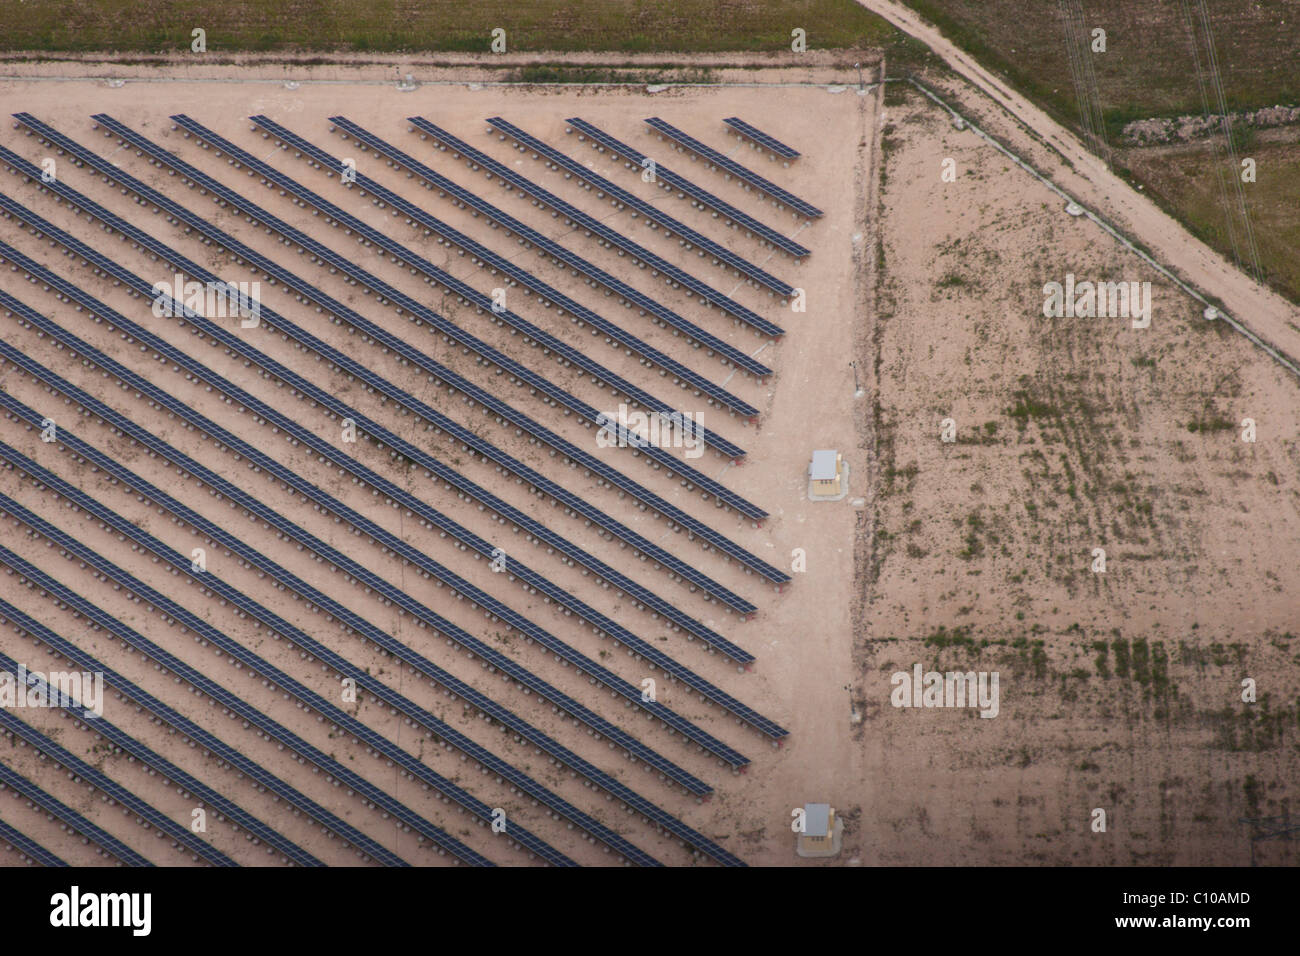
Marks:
<point>822,831</point>
<point>826,472</point>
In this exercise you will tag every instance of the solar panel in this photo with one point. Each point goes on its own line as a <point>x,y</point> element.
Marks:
<point>732,168</point>
<point>148,815</point>
<point>193,731</point>
<point>371,685</point>
<point>558,253</point>
<point>721,492</point>
<point>262,667</point>
<point>349,619</point>
<point>173,774</point>
<point>25,844</point>
<point>639,253</point>
<point>668,179</point>
<point>575,168</point>
<point>72,292</point>
<point>754,134</point>
<point>626,689</point>
<point>50,804</point>
<point>685,571</point>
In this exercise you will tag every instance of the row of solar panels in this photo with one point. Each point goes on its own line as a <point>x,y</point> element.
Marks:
<point>489,451</point>
<point>442,521</point>
<point>558,253</point>
<point>358,624</point>
<point>259,666</point>
<point>68,289</point>
<point>337,216</point>
<point>636,590</point>
<point>574,216</point>
<point>260,777</point>
<point>147,814</point>
<point>468,295</point>
<point>733,168</point>
<point>668,179</point>
<point>692,525</point>
<point>171,773</point>
<point>756,135</point>
<point>730,259</point>
<point>234,705</point>
<point>316,598</point>
<point>666,460</point>
<point>395,545</point>
<point>25,845</point>
<point>15,781</point>
<point>299,434</point>
<point>344,668</point>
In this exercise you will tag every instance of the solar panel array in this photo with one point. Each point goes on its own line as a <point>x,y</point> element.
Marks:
<point>96,522</point>
<point>174,718</point>
<point>24,844</point>
<point>668,179</point>
<point>210,428</point>
<point>496,608</point>
<point>733,168</point>
<point>15,781</point>
<point>756,135</point>
<point>479,160</point>
<point>727,258</point>
<point>124,742</point>
<point>470,440</point>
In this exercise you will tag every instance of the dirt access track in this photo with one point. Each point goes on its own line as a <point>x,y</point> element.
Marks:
<point>1086,176</point>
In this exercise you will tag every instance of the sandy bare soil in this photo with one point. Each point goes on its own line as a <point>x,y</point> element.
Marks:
<point>1119,690</point>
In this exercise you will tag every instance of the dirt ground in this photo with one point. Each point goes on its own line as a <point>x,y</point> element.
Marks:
<point>1119,691</point>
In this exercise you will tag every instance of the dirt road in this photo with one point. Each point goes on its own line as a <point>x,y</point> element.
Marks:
<point>1263,311</point>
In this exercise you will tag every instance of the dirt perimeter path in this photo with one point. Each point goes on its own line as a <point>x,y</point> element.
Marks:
<point>1258,308</point>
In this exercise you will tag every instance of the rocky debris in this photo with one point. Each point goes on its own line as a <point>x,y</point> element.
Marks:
<point>1182,129</point>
